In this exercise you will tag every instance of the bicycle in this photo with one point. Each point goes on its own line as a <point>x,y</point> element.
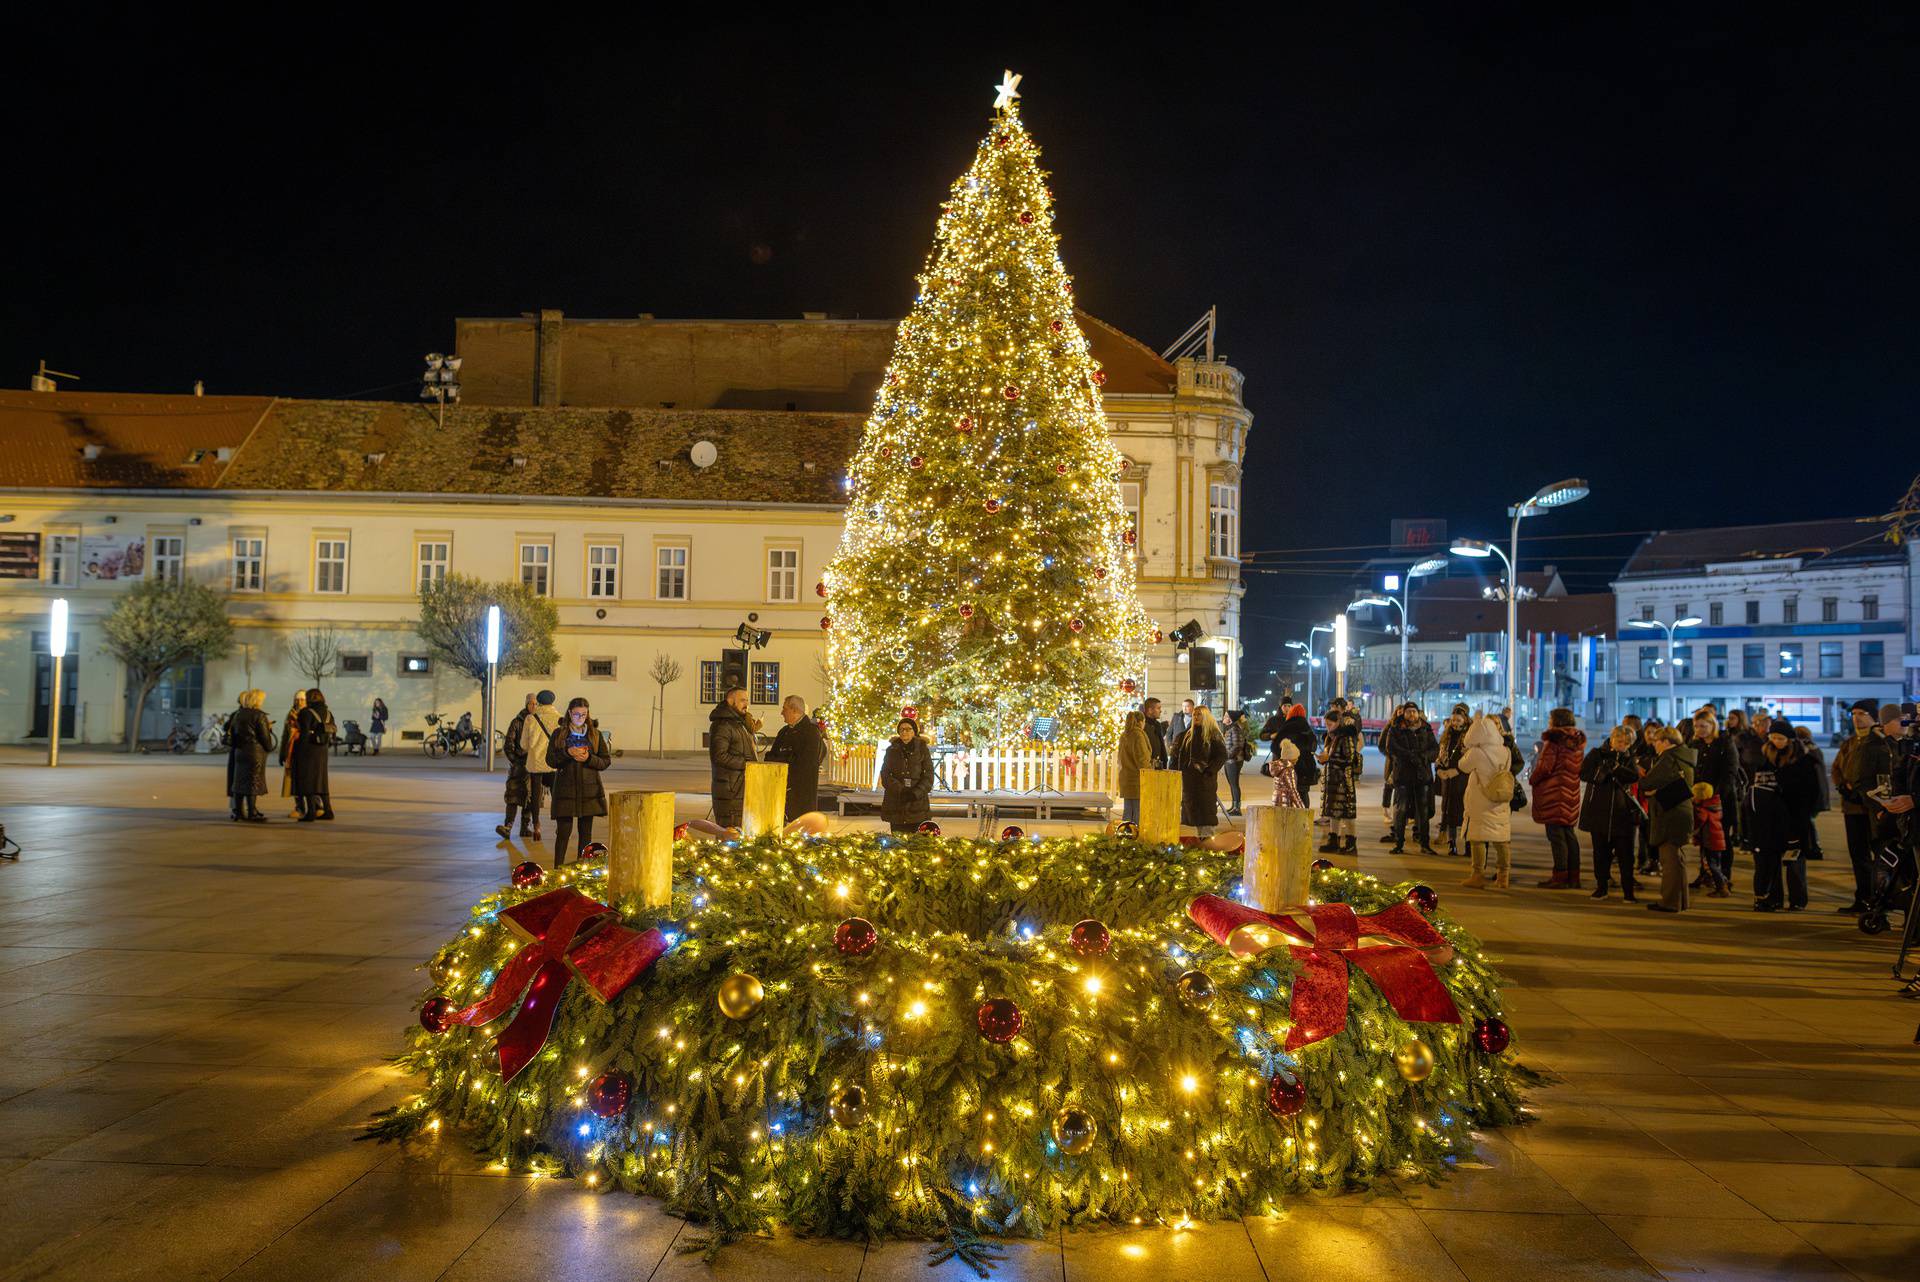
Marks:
<point>182,738</point>
<point>213,735</point>
<point>439,740</point>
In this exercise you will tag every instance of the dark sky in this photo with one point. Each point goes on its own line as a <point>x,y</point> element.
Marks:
<point>1458,251</point>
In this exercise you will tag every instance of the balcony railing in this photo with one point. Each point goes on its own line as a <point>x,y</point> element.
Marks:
<point>1214,379</point>
<point>1011,770</point>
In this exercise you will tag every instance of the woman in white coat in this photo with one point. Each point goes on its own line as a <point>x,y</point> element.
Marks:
<point>1489,817</point>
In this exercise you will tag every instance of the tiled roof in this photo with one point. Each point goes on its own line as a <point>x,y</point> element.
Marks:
<point>1129,364</point>
<point>1839,541</point>
<point>137,441</point>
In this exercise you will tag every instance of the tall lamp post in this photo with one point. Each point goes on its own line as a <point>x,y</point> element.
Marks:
<point>1339,656</point>
<point>1312,663</point>
<point>1544,500</point>
<point>441,382</point>
<point>1673,700</point>
<point>493,663</point>
<point>57,647</point>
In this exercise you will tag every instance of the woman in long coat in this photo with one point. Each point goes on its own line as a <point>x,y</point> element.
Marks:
<point>313,738</point>
<point>249,740</point>
<point>1135,755</point>
<point>1609,814</point>
<point>1668,788</point>
<point>906,779</point>
<point>1556,794</point>
<point>1341,780</point>
<point>1452,779</point>
<point>1202,751</point>
<point>1489,818</point>
<point>289,732</point>
<point>578,752</point>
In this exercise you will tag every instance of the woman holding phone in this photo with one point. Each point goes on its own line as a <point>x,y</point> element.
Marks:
<point>577,751</point>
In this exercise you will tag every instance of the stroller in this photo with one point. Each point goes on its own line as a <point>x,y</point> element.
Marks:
<point>355,740</point>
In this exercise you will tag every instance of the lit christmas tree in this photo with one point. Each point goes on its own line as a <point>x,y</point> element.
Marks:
<point>986,575</point>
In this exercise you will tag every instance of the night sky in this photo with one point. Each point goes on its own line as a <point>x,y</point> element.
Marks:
<point>1458,251</point>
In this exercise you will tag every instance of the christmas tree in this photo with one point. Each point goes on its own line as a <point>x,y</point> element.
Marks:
<point>986,575</point>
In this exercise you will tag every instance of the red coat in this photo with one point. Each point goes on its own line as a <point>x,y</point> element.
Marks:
<point>1556,777</point>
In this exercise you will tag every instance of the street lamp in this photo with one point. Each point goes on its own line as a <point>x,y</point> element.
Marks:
<point>1480,549</point>
<point>1340,656</point>
<point>1673,702</point>
<point>493,661</point>
<point>441,382</point>
<point>1544,500</point>
<point>57,647</point>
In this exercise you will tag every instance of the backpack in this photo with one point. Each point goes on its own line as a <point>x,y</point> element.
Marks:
<point>1501,787</point>
<point>534,736</point>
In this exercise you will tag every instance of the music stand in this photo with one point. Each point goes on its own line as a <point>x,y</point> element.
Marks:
<point>1043,732</point>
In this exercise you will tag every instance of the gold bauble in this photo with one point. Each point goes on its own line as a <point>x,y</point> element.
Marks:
<point>1414,1060</point>
<point>848,1107</point>
<point>1196,989</point>
<point>740,995</point>
<point>1074,1130</point>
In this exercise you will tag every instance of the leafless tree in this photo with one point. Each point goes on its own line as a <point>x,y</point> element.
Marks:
<point>665,671</point>
<point>315,653</point>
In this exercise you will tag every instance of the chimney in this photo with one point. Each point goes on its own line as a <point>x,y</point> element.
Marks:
<point>199,388</point>
<point>546,357</point>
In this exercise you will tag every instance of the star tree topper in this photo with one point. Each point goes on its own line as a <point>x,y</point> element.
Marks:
<point>1008,89</point>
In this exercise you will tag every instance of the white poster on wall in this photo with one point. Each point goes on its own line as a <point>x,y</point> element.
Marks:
<point>113,556</point>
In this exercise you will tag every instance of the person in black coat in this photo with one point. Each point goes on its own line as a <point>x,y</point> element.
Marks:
<point>313,738</point>
<point>1410,748</point>
<point>1608,813</point>
<point>1297,730</point>
<point>801,745</point>
<point>1785,793</point>
<point>1200,752</point>
<point>521,798</point>
<point>906,779</point>
<point>729,749</point>
<point>577,751</point>
<point>249,740</point>
<point>1156,732</point>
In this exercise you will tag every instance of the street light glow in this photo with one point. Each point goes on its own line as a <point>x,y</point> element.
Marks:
<point>493,634</point>
<point>1559,494</point>
<point>1366,601</point>
<point>1471,547</point>
<point>57,635</point>
<point>1432,565</point>
<point>1339,643</point>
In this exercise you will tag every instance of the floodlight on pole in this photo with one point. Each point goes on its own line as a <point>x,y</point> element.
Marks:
<point>1544,500</point>
<point>493,662</point>
<point>57,648</point>
<point>1691,621</point>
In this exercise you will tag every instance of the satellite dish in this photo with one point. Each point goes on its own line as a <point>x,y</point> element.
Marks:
<point>703,454</point>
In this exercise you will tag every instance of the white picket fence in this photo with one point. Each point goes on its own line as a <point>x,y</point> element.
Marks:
<point>1012,770</point>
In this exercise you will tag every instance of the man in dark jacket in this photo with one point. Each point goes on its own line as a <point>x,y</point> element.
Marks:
<point>1156,732</point>
<point>800,745</point>
<point>1857,769</point>
<point>1410,747</point>
<point>729,749</point>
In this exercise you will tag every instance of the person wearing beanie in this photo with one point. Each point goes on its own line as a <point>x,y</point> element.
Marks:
<point>1857,769</point>
<point>1453,780</point>
<point>517,778</point>
<point>1298,731</point>
<point>533,730</point>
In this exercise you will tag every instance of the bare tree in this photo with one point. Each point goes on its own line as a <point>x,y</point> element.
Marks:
<point>665,671</point>
<point>1408,682</point>
<point>315,653</point>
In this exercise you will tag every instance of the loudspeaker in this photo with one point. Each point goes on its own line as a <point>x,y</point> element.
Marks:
<point>1202,670</point>
<point>733,670</point>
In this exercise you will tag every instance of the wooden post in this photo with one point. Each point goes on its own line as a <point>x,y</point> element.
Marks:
<point>1279,856</point>
<point>640,846</point>
<point>1160,807</point>
<point>765,810</point>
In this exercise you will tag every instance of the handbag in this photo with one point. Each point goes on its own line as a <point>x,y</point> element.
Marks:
<point>1673,792</point>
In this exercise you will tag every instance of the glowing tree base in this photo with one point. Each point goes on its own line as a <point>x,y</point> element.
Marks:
<point>869,1036</point>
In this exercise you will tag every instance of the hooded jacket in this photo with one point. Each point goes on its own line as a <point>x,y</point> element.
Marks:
<point>729,749</point>
<point>1299,731</point>
<point>1556,776</point>
<point>1669,825</point>
<point>577,787</point>
<point>1486,755</point>
<point>906,780</point>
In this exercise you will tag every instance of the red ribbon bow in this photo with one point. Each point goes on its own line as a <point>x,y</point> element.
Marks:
<point>1325,946</point>
<point>569,936</point>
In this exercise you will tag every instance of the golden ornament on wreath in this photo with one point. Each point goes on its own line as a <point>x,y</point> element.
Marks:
<point>1414,1060</point>
<point>740,995</point>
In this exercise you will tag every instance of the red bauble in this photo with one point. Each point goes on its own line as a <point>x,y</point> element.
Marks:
<point>928,828</point>
<point>1059,469</point>
<point>1285,1095</point>
<point>1026,218</point>
<point>964,425</point>
<point>1129,538</point>
<point>820,589</point>
<point>1158,636</point>
<point>825,623</point>
<point>992,505</point>
<point>1321,865</point>
<point>609,1094</point>
<point>855,937</point>
<point>1491,1036</point>
<point>1001,140</point>
<point>966,611</point>
<point>1059,326</point>
<point>1000,1020</point>
<point>1078,625</point>
<point>1099,378</point>
<point>1066,286</point>
<point>1012,832</point>
<point>436,1014</point>
<point>528,874</point>
<point>1424,898</point>
<point>1090,938</point>
<point>1011,391</point>
<point>593,850</point>
<point>916,462</point>
<point>679,832</point>
<point>1128,686</point>
<point>1099,571</point>
<point>910,713</point>
<point>886,451</point>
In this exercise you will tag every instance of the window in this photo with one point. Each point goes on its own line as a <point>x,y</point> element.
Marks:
<point>1453,663</point>
<point>330,565</point>
<point>416,665</point>
<point>1830,660</point>
<point>63,560</point>
<point>671,584</point>
<point>709,680</point>
<point>783,574</point>
<point>1830,609</point>
<point>1679,611</point>
<point>355,665</point>
<point>1792,659</point>
<point>536,564</point>
<point>1649,662</point>
<point>1716,661</point>
<point>1646,613</point>
<point>169,557</point>
<point>249,559</point>
<point>1869,608</point>
<point>1753,613</point>
<point>603,571</point>
<point>1753,659</point>
<point>1683,662</point>
<point>597,669</point>
<point>433,559</point>
<point>763,683</point>
<point>1716,614</point>
<point>1223,521</point>
<point>1130,499</point>
<point>1873,658</point>
<point>1790,610</point>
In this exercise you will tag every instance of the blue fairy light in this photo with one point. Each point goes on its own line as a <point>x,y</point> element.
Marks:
<point>586,1129</point>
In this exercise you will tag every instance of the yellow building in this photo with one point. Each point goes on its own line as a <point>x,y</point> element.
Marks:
<point>664,482</point>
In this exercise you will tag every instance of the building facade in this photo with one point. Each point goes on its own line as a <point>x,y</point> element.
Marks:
<point>1802,618</point>
<point>322,519</point>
